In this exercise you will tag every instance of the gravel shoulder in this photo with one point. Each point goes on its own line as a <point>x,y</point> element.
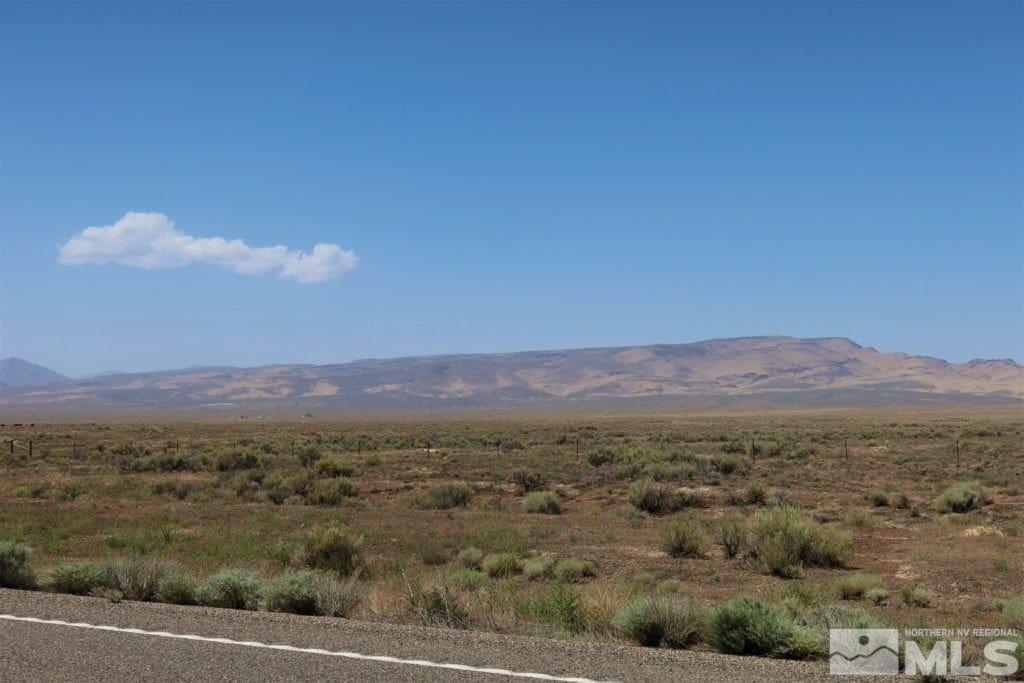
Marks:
<point>33,651</point>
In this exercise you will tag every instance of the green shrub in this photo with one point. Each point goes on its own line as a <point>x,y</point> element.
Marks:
<point>756,494</point>
<point>177,588</point>
<point>730,464</point>
<point>278,489</point>
<point>879,498</point>
<point>559,606</point>
<point>855,586</point>
<point>877,595</point>
<point>628,469</point>
<point>445,496</point>
<point>572,570</point>
<point>308,455</point>
<point>328,492</point>
<point>655,621</point>
<point>467,579</point>
<point>432,553</point>
<point>238,460</point>
<point>526,479</point>
<point>172,489</point>
<point>500,565</point>
<point>135,577</point>
<point>684,538</point>
<point>784,540</point>
<point>732,534</point>
<point>69,491</point>
<point>1013,611</point>
<point>655,499</point>
<point>14,567</point>
<point>291,591</point>
<point>76,578</point>
<point>470,558</point>
<point>601,456</point>
<point>689,498</point>
<point>331,468</point>
<point>899,500</point>
<point>747,626</point>
<point>962,497</point>
<point>539,567</point>
<point>816,620</point>
<point>668,471</point>
<point>332,550</point>
<point>542,502</point>
<point>917,596</point>
<point>231,588</point>
<point>34,490</point>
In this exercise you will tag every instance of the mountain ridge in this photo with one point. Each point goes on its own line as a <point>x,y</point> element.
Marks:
<point>786,368</point>
<point>16,371</point>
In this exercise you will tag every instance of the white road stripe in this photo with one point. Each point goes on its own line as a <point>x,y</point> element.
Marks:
<point>305,650</point>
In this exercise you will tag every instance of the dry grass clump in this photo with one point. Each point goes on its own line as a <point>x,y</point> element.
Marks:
<point>856,586</point>
<point>470,557</point>
<point>538,567</point>
<point>332,550</point>
<point>500,565</point>
<point>917,596</point>
<point>684,538</point>
<point>135,577</point>
<point>656,621</point>
<point>574,570</point>
<point>439,605</point>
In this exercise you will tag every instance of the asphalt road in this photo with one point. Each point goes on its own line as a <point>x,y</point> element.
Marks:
<point>95,639</point>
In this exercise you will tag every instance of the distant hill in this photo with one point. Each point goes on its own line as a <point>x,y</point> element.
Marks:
<point>16,372</point>
<point>782,370</point>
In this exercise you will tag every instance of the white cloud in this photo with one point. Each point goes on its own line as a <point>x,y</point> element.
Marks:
<point>150,240</point>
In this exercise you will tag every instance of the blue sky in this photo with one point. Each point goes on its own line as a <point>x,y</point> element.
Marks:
<point>510,176</point>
